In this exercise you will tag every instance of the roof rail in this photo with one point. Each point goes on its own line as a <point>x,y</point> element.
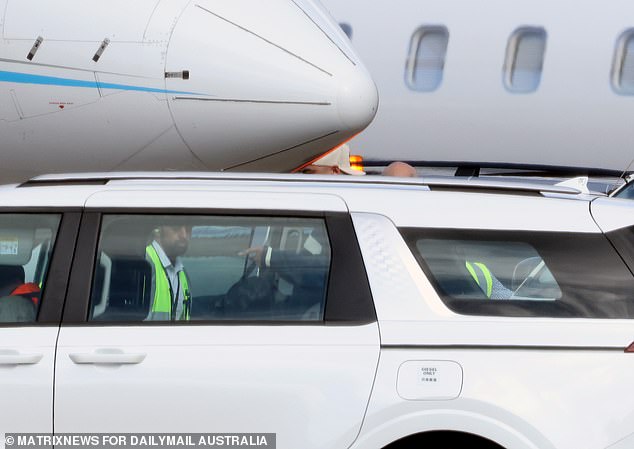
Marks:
<point>473,169</point>
<point>431,182</point>
<point>498,186</point>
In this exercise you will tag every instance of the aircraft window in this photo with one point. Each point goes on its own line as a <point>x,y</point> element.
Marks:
<point>504,273</point>
<point>219,268</point>
<point>426,60</point>
<point>346,29</point>
<point>525,60</point>
<point>26,244</point>
<point>623,67</point>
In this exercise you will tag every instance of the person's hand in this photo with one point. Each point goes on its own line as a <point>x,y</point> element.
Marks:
<point>255,253</point>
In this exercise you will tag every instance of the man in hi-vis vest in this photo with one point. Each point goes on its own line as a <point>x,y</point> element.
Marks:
<point>171,298</point>
<point>487,281</point>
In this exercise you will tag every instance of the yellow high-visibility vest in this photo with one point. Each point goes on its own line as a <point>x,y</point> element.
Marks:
<point>486,274</point>
<point>162,301</point>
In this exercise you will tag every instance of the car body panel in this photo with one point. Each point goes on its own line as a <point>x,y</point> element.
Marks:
<point>215,199</point>
<point>221,379</point>
<point>529,382</point>
<point>612,214</point>
<point>27,386</point>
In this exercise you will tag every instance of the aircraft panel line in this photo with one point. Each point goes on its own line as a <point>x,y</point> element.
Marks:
<point>325,34</point>
<point>266,40</point>
<point>38,64</point>
<point>236,100</point>
<point>284,150</point>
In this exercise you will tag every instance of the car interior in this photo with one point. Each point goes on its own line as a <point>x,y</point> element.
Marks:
<point>225,283</point>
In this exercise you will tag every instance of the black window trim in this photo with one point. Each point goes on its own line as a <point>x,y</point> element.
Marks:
<point>58,274</point>
<point>412,234</point>
<point>59,270</point>
<point>347,303</point>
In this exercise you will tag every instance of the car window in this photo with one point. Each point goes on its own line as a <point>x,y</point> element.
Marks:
<point>525,273</point>
<point>495,270</point>
<point>193,268</point>
<point>26,242</point>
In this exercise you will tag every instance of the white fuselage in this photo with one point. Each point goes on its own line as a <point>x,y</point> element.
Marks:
<point>576,116</point>
<point>174,84</point>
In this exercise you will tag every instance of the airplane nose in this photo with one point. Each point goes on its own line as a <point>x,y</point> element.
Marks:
<point>265,95</point>
<point>357,100</point>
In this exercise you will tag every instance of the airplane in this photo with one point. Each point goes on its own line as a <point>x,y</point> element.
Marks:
<point>530,82</point>
<point>228,85</point>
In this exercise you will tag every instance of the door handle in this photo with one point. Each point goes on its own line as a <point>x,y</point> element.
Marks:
<point>107,357</point>
<point>15,358</point>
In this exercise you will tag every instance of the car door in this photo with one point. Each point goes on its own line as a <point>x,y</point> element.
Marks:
<point>33,282</point>
<point>299,363</point>
<point>545,356</point>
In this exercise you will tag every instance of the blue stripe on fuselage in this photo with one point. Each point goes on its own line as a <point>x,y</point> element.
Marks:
<point>25,78</point>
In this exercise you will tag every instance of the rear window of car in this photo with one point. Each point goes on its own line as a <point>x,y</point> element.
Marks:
<point>537,274</point>
<point>210,268</point>
<point>26,245</point>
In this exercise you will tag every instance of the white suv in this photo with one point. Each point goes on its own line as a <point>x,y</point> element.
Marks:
<point>378,313</point>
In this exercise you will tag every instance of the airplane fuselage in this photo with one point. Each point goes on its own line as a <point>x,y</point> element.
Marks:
<point>174,84</point>
<point>576,111</point>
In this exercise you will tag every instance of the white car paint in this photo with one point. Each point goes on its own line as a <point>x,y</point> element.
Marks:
<point>524,383</point>
<point>308,384</point>
<point>612,215</point>
<point>571,365</point>
<point>27,357</point>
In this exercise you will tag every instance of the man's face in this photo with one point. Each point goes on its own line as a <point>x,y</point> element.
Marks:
<point>321,170</point>
<point>175,240</point>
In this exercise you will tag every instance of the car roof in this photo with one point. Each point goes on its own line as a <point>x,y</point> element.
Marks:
<point>174,178</point>
<point>434,201</point>
<point>73,189</point>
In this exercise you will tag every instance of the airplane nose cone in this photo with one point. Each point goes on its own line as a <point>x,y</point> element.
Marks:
<point>357,100</point>
<point>270,87</point>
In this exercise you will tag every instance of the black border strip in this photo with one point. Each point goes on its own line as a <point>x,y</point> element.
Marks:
<point>513,169</point>
<point>59,270</point>
<point>506,347</point>
<point>348,302</point>
<point>560,250</point>
<point>78,298</point>
<point>218,323</point>
<point>349,296</point>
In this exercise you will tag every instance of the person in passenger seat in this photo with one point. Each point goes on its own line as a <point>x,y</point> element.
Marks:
<point>487,281</point>
<point>12,283</point>
<point>306,270</point>
<point>171,297</point>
